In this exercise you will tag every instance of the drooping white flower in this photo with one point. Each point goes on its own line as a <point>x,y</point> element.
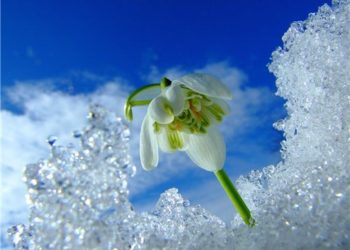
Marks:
<point>184,117</point>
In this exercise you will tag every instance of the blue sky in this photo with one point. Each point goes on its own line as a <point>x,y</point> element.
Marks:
<point>58,55</point>
<point>50,38</point>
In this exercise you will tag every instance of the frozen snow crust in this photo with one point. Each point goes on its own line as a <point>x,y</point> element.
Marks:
<point>79,198</point>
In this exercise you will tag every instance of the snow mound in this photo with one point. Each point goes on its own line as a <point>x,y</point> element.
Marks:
<point>303,202</point>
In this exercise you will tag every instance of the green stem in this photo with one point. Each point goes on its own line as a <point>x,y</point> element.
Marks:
<point>129,102</point>
<point>140,102</point>
<point>165,82</point>
<point>139,90</point>
<point>234,196</point>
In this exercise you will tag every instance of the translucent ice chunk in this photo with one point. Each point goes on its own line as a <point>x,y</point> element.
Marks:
<point>51,140</point>
<point>74,193</point>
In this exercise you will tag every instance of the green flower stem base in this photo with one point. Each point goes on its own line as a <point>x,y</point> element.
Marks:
<point>234,196</point>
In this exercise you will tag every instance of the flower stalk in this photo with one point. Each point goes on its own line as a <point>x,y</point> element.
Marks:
<point>235,198</point>
<point>130,102</point>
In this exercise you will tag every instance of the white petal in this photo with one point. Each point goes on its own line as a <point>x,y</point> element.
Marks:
<point>208,151</point>
<point>163,141</point>
<point>176,98</point>
<point>223,104</point>
<point>148,145</point>
<point>159,110</point>
<point>185,137</point>
<point>206,85</point>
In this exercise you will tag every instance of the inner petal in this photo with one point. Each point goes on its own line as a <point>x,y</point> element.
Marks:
<point>176,98</point>
<point>170,140</point>
<point>160,110</point>
<point>163,141</point>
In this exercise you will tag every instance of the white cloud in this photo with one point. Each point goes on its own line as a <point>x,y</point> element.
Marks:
<point>48,111</point>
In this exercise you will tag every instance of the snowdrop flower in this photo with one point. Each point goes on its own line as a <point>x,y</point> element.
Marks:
<point>183,116</point>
